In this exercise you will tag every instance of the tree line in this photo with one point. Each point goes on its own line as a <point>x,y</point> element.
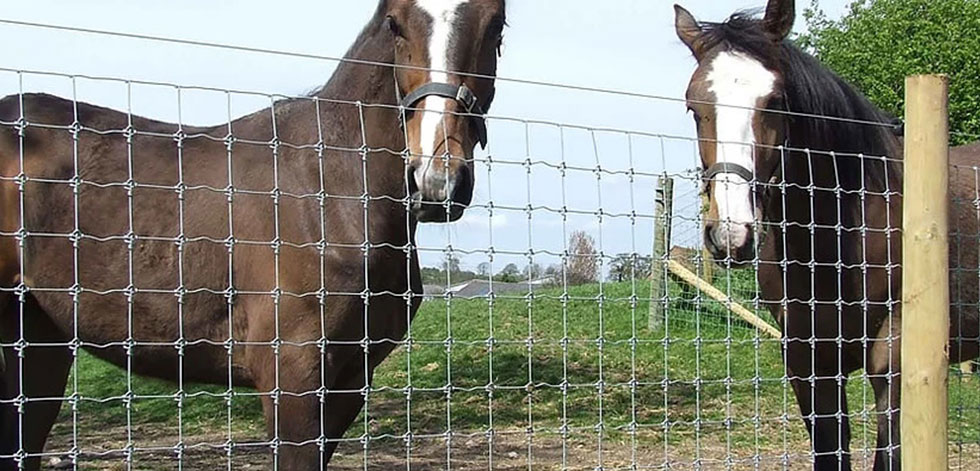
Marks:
<point>581,266</point>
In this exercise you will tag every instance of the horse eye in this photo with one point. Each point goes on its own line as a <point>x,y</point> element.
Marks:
<point>393,26</point>
<point>777,103</point>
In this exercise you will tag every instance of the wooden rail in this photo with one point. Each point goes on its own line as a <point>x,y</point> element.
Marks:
<point>714,293</point>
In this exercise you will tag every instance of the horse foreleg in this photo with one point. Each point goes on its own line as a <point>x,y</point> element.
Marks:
<point>823,406</point>
<point>290,384</point>
<point>884,364</point>
<point>307,413</point>
<point>343,405</point>
<point>33,384</point>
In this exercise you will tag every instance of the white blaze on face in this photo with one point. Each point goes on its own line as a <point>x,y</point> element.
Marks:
<point>738,82</point>
<point>443,14</point>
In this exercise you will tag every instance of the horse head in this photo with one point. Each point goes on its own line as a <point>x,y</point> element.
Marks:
<point>732,95</point>
<point>446,55</point>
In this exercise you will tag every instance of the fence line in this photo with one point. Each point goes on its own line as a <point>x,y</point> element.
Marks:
<point>716,294</point>
<point>614,349</point>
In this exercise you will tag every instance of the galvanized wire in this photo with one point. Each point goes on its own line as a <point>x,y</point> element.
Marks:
<point>694,324</point>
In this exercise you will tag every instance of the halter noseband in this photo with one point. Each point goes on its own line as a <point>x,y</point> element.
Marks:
<point>728,167</point>
<point>747,174</point>
<point>459,93</point>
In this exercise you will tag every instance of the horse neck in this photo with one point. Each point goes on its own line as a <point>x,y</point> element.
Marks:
<point>839,158</point>
<point>353,119</point>
<point>366,81</point>
<point>830,165</point>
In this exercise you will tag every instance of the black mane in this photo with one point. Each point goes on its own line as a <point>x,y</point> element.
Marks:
<point>813,89</point>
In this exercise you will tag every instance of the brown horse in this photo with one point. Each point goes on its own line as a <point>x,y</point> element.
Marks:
<point>275,251</point>
<point>825,195</point>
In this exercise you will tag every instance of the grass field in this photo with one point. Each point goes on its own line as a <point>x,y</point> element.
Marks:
<point>582,370</point>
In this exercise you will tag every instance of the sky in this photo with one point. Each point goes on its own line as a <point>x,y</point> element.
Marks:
<point>625,45</point>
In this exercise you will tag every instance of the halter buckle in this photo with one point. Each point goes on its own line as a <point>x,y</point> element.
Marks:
<point>466,98</point>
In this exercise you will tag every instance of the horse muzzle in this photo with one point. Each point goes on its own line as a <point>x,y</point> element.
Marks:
<point>730,242</point>
<point>440,195</point>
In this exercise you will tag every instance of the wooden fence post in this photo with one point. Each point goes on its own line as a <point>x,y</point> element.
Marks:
<point>663,219</point>
<point>925,275</point>
<point>708,260</point>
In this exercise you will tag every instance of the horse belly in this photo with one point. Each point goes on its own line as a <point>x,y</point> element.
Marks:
<point>964,328</point>
<point>964,287</point>
<point>146,303</point>
<point>152,333</point>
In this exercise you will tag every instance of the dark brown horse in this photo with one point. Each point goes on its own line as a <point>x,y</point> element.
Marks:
<point>275,251</point>
<point>825,196</point>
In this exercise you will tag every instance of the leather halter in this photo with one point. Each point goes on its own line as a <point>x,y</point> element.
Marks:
<point>728,167</point>
<point>459,93</point>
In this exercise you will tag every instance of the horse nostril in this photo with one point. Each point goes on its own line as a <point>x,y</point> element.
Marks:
<point>709,238</point>
<point>463,187</point>
<point>413,184</point>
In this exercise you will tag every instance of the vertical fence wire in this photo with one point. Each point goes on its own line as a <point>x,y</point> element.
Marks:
<point>130,134</point>
<point>230,295</point>
<point>565,340</point>
<point>22,234</point>
<point>76,284</point>
<point>366,246</point>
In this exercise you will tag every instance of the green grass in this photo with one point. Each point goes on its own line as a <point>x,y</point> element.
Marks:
<point>103,388</point>
<point>705,374</point>
<point>529,361</point>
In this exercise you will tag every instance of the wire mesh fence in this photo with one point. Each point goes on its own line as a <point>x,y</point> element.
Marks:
<point>558,371</point>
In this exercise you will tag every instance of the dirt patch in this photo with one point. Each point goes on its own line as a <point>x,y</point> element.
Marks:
<point>509,450</point>
<point>154,449</point>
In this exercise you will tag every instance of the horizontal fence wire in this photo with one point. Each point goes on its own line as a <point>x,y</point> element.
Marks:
<point>560,85</point>
<point>552,365</point>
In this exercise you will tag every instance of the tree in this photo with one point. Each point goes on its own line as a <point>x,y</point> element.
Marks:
<point>554,275</point>
<point>583,261</point>
<point>532,271</point>
<point>483,269</point>
<point>448,272</point>
<point>880,42</point>
<point>433,276</point>
<point>629,266</point>
<point>510,274</point>
<point>450,264</point>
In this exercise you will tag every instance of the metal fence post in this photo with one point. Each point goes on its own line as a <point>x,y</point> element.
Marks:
<point>925,275</point>
<point>663,209</point>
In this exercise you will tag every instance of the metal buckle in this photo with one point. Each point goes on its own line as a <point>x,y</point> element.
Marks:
<point>466,97</point>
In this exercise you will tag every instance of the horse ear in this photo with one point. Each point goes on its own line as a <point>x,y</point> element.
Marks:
<point>688,29</point>
<point>780,15</point>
